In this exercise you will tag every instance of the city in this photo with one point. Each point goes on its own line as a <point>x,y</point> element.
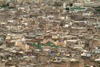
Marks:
<point>49,33</point>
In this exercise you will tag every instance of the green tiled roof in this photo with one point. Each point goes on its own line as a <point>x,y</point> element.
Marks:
<point>34,45</point>
<point>59,46</point>
<point>42,44</point>
<point>49,43</point>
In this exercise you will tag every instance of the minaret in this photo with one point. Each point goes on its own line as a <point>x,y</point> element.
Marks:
<point>25,46</point>
<point>64,5</point>
<point>65,43</point>
<point>16,43</point>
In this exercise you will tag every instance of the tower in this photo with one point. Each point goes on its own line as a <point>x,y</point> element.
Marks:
<point>64,5</point>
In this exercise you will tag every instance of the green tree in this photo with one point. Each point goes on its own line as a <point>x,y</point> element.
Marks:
<point>34,22</point>
<point>98,10</point>
<point>61,24</point>
<point>7,4</point>
<point>86,66</point>
<point>11,7</point>
<point>70,4</point>
<point>3,5</point>
<point>39,44</point>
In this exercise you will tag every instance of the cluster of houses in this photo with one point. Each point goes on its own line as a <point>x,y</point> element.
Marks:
<point>35,34</point>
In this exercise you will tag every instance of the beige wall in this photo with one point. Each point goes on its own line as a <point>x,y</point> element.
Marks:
<point>68,64</point>
<point>59,43</point>
<point>63,64</point>
<point>90,43</point>
<point>55,42</point>
<point>95,43</point>
<point>79,30</point>
<point>23,46</point>
<point>1,2</point>
<point>75,64</point>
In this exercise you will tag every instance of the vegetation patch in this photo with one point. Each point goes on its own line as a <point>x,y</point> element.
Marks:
<point>71,4</point>
<point>97,9</point>
<point>57,4</point>
<point>11,7</point>
<point>7,5</point>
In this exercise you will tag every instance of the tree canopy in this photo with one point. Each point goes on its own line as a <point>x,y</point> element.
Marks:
<point>71,4</point>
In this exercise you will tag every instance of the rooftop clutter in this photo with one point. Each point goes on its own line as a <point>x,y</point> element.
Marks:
<point>49,33</point>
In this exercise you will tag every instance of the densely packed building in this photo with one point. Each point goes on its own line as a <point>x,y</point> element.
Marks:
<point>49,33</point>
